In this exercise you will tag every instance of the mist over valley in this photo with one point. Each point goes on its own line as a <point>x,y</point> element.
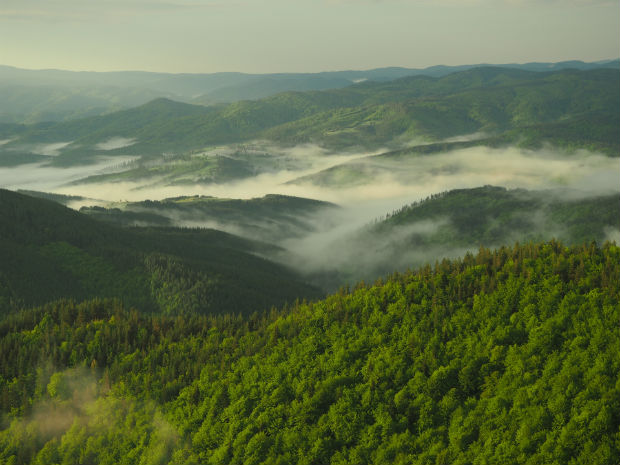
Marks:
<point>383,266</point>
<point>359,149</point>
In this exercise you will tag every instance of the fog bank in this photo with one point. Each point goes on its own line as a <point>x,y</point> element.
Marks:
<point>391,182</point>
<point>367,186</point>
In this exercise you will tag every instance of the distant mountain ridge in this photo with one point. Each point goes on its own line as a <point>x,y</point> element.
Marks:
<point>32,96</point>
<point>568,107</point>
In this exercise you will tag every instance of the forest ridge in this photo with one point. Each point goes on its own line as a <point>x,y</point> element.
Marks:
<point>506,356</point>
<point>391,266</point>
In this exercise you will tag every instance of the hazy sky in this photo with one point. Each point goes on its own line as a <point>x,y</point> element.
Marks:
<point>301,35</point>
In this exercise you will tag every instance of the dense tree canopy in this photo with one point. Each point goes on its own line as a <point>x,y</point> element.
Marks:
<point>48,251</point>
<point>507,356</point>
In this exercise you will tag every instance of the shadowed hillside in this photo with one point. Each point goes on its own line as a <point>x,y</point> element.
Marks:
<point>48,251</point>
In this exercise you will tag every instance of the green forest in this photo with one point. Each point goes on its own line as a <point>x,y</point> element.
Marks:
<point>49,251</point>
<point>376,267</point>
<point>568,108</point>
<point>503,356</point>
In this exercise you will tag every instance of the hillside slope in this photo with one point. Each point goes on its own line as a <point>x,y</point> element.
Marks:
<point>449,224</point>
<point>538,106</point>
<point>507,356</point>
<point>48,251</point>
<point>270,218</point>
<point>481,100</point>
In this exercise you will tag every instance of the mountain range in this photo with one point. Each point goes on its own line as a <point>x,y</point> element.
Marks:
<point>51,95</point>
<point>391,266</point>
<point>567,108</point>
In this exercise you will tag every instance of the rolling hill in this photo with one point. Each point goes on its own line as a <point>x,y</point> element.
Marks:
<point>49,252</point>
<point>308,235</point>
<point>506,356</point>
<point>271,218</point>
<point>541,106</point>
<point>452,223</point>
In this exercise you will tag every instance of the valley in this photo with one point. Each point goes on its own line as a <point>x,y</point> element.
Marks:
<point>383,266</point>
<point>324,178</point>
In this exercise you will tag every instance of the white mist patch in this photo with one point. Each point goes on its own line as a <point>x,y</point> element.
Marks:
<point>4,141</point>
<point>417,176</point>
<point>43,177</point>
<point>467,137</point>
<point>613,235</point>
<point>388,183</point>
<point>115,143</point>
<point>393,183</point>
<point>299,161</point>
<point>77,204</point>
<point>330,246</point>
<point>50,150</point>
<point>512,167</point>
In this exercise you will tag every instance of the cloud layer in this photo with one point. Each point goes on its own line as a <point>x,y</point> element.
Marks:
<point>384,185</point>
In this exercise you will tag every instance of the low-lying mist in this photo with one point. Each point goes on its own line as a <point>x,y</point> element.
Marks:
<point>393,182</point>
<point>78,401</point>
<point>366,185</point>
<point>48,178</point>
<point>115,143</point>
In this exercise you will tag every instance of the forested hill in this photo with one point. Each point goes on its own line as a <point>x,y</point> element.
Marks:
<point>270,218</point>
<point>48,251</point>
<point>54,95</point>
<point>569,108</point>
<point>450,223</point>
<point>507,356</point>
<point>496,215</point>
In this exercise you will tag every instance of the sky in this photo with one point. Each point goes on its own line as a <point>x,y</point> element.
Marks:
<point>267,36</point>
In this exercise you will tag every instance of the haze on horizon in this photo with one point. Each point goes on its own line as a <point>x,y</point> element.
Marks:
<point>302,35</point>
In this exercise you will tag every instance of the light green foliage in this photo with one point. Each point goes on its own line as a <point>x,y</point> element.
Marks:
<point>508,356</point>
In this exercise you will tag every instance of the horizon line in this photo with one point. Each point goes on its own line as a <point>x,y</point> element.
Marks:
<point>62,70</point>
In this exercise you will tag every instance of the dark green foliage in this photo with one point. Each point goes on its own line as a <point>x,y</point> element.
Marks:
<point>269,218</point>
<point>448,224</point>
<point>48,251</point>
<point>494,215</point>
<point>507,356</point>
<point>58,198</point>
